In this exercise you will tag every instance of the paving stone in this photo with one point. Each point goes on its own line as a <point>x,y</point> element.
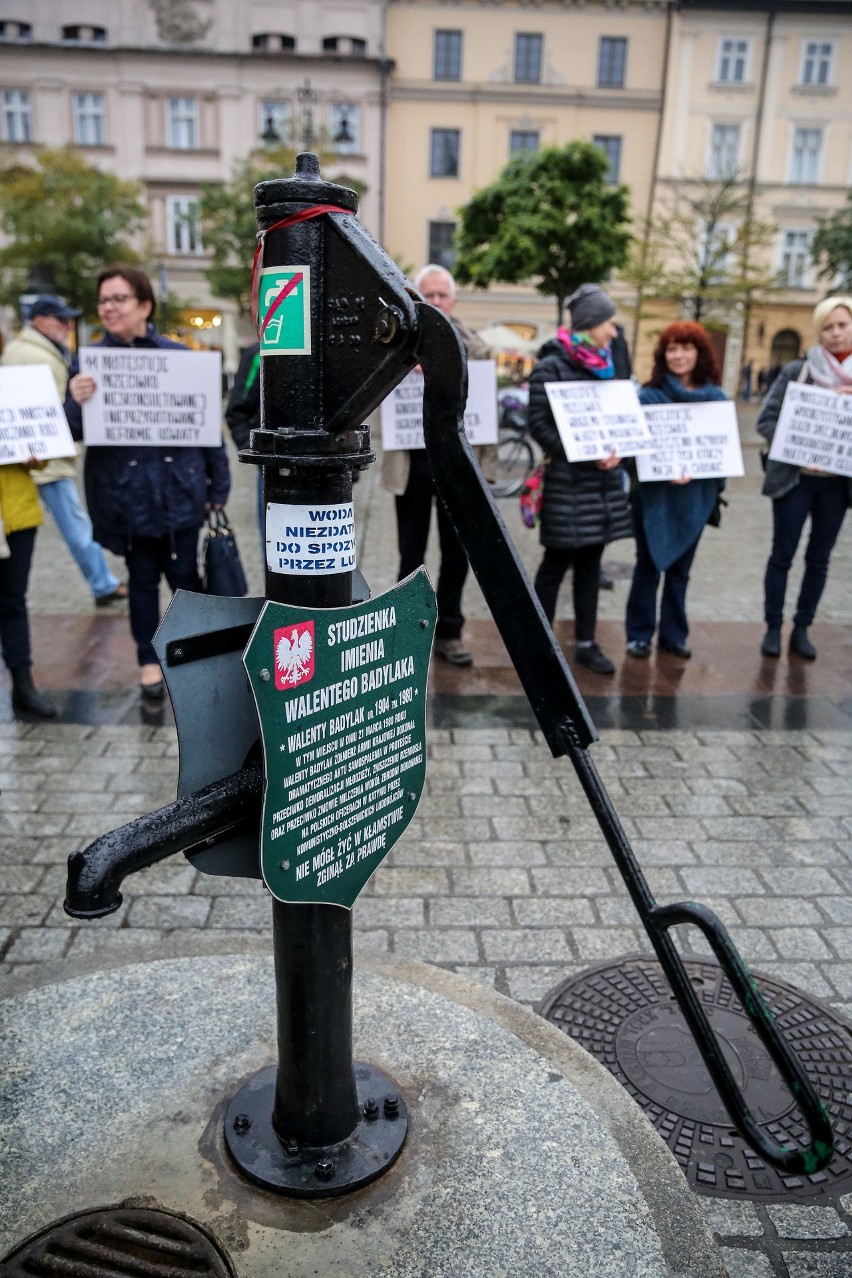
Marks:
<point>817,1264</point>
<point>247,912</point>
<point>484,805</point>
<point>537,911</point>
<point>663,851</point>
<point>470,911</point>
<point>16,911</point>
<point>798,942</point>
<point>127,944</point>
<point>597,943</point>
<point>807,977</point>
<point>840,940</point>
<point>510,829</point>
<point>525,947</point>
<point>23,878</point>
<point>385,912</point>
<point>727,1217</point>
<point>838,909</point>
<point>411,881</point>
<point>582,880</point>
<point>37,944</point>
<point>577,852</point>
<point>840,976</point>
<point>492,882</point>
<point>530,983</point>
<point>455,829</point>
<point>792,1221</point>
<point>721,878</point>
<point>374,940</point>
<point>166,912</point>
<point>522,854</point>
<point>420,854</point>
<point>717,852</point>
<point>447,945</point>
<point>747,1264</point>
<point>806,881</point>
<point>780,910</point>
<point>487,976</point>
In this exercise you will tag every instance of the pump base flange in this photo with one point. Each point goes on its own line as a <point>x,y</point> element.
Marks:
<point>317,1171</point>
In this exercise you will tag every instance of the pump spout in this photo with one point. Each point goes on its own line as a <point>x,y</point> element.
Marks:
<point>202,819</point>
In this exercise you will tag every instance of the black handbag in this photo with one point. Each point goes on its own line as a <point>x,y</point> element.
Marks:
<point>221,568</point>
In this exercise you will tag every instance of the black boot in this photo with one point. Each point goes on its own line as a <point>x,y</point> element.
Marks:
<point>26,696</point>
<point>771,646</point>
<point>801,644</point>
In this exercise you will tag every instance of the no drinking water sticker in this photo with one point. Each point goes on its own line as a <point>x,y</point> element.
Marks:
<point>341,699</point>
<point>315,540</point>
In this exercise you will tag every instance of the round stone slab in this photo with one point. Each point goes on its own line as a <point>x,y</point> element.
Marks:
<point>624,1013</point>
<point>523,1155</point>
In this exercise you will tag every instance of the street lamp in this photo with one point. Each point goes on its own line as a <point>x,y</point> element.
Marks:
<point>307,98</point>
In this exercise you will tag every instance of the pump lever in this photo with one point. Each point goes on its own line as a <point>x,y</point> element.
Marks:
<point>564,720</point>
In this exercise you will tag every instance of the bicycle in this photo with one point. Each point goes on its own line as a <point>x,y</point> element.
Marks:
<point>515,456</point>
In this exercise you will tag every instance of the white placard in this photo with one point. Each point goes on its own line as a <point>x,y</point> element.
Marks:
<point>597,418</point>
<point>32,421</point>
<point>694,441</point>
<point>402,411</point>
<point>169,398</point>
<point>814,429</point>
<point>315,540</point>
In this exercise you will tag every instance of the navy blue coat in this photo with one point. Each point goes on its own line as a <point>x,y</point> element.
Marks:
<point>147,491</point>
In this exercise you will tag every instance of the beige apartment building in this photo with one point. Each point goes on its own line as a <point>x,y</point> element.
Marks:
<point>476,82</point>
<point>172,92</point>
<point>424,101</point>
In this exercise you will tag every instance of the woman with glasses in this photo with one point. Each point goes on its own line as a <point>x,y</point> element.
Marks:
<point>146,503</point>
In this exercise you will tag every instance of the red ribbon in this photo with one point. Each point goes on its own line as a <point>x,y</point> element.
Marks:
<point>304,216</point>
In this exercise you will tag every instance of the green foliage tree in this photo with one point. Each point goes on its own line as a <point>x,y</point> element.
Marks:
<point>68,219</point>
<point>704,250</point>
<point>832,246</point>
<point>550,217</point>
<point>228,223</point>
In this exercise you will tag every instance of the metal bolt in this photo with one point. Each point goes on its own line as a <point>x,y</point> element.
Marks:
<point>242,1123</point>
<point>387,324</point>
<point>265,676</point>
<point>324,1169</point>
<point>423,623</point>
<point>391,1105</point>
<point>371,1108</point>
<point>291,1146</point>
<point>411,796</point>
<point>284,865</point>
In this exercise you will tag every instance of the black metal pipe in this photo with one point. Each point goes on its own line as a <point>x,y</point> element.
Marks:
<point>202,819</point>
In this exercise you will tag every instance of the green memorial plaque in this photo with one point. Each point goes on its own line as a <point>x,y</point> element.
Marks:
<point>341,698</point>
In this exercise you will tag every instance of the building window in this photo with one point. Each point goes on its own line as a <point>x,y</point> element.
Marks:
<point>612,62</point>
<point>344,44</point>
<point>804,158</point>
<point>716,252</point>
<point>816,62</point>
<point>611,147</point>
<point>724,151</point>
<point>733,61</point>
<point>521,141</point>
<point>17,116</point>
<point>184,233</point>
<point>275,121</point>
<point>182,123</point>
<point>89,119</point>
<point>447,59</point>
<point>442,250</point>
<point>15,31</point>
<point>84,35</point>
<point>795,258</point>
<point>273,42</point>
<point>444,153</point>
<point>528,51</point>
<point>343,127</point>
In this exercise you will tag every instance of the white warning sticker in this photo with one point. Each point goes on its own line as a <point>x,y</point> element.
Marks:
<point>310,539</point>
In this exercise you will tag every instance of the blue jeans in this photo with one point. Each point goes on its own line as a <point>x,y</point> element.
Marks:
<point>175,557</point>
<point>641,619</point>
<point>62,500</point>
<point>824,498</point>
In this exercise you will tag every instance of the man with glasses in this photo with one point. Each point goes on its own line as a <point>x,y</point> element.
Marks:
<point>44,340</point>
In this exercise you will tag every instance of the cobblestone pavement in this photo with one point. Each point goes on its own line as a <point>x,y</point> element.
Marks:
<point>503,875</point>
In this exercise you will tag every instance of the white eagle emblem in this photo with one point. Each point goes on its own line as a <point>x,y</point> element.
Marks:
<point>293,656</point>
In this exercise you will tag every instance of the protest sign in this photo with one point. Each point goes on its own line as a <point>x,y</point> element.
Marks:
<point>32,422</point>
<point>402,411</point>
<point>596,419</point>
<point>814,430</point>
<point>693,441</point>
<point>171,398</point>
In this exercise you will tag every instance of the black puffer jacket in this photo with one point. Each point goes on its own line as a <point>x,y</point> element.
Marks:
<point>583,506</point>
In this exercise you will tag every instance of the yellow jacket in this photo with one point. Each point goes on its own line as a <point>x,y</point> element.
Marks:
<point>19,504</point>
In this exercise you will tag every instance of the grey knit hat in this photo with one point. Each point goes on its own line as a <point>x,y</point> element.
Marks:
<point>589,306</point>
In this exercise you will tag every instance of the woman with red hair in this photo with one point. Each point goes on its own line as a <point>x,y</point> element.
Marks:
<point>669,517</point>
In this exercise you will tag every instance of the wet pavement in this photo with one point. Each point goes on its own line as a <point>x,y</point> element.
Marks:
<point>730,774</point>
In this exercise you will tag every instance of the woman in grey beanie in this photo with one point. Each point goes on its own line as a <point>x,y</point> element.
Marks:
<point>584,505</point>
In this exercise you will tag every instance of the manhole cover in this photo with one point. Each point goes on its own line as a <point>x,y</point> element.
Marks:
<point>118,1240</point>
<point>625,1015</point>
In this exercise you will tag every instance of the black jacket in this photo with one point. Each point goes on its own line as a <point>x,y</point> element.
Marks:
<point>243,409</point>
<point>147,491</point>
<point>583,506</point>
